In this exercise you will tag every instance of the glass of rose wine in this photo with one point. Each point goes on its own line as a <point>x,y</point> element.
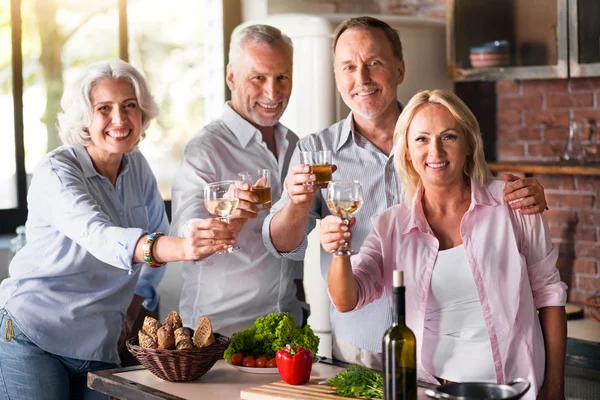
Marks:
<point>221,199</point>
<point>344,199</point>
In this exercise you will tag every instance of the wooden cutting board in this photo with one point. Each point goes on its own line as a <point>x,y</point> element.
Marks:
<point>282,391</point>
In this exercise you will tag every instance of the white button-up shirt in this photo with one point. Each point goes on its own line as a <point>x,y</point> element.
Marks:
<point>233,289</point>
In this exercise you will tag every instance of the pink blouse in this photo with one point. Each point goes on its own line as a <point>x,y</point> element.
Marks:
<point>513,263</point>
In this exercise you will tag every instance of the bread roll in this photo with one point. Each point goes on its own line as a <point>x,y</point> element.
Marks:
<point>174,320</point>
<point>183,339</point>
<point>166,337</point>
<point>203,334</point>
<point>147,341</point>
<point>150,327</point>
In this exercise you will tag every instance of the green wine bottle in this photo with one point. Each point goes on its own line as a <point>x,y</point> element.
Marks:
<point>399,350</point>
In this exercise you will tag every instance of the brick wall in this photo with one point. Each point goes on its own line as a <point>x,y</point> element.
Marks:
<point>431,8</point>
<point>532,125</point>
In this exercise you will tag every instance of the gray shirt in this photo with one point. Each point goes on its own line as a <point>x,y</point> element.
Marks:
<point>356,158</point>
<point>233,289</point>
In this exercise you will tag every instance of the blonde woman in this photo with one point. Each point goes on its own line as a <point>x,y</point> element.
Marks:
<point>476,271</point>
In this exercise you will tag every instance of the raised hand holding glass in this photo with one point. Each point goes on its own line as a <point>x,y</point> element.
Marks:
<point>344,199</point>
<point>221,200</point>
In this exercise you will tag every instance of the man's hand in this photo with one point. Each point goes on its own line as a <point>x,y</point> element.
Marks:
<point>206,237</point>
<point>526,195</point>
<point>334,233</point>
<point>298,186</point>
<point>246,207</point>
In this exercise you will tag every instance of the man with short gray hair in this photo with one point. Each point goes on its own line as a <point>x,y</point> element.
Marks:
<point>236,288</point>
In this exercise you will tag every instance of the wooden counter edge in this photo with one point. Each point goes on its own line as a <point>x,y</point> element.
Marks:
<point>104,381</point>
<point>551,169</point>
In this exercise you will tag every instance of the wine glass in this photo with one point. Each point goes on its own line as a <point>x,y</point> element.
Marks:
<point>260,184</point>
<point>319,164</point>
<point>221,199</point>
<point>344,199</point>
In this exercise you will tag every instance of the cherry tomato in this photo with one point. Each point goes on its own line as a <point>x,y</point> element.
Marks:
<point>249,362</point>
<point>272,363</point>
<point>237,359</point>
<point>261,362</point>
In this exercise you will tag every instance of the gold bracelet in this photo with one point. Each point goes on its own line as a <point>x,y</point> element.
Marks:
<point>147,248</point>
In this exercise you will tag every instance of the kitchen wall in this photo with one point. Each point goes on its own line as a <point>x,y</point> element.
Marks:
<point>254,9</point>
<point>532,125</point>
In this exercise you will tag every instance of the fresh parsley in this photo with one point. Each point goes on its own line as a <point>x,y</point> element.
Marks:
<point>357,381</point>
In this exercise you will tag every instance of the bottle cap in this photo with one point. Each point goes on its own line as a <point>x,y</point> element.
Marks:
<point>398,278</point>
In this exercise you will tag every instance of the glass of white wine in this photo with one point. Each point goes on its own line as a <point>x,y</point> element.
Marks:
<point>221,199</point>
<point>344,199</point>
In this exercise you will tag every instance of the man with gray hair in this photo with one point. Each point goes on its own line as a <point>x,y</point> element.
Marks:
<point>236,288</point>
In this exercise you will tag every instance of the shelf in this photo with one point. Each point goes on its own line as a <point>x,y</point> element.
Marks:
<point>549,169</point>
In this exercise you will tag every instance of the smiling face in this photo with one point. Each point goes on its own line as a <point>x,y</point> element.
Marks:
<point>437,146</point>
<point>261,82</point>
<point>366,72</point>
<point>116,122</point>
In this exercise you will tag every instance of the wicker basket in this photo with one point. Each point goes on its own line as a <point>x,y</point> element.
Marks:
<point>592,304</point>
<point>179,365</point>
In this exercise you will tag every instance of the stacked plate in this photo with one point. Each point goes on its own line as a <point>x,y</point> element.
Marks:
<point>492,54</point>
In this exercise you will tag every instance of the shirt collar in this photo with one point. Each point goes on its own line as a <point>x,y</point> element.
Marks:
<point>345,134</point>
<point>480,196</point>
<point>348,129</point>
<point>88,167</point>
<point>243,130</point>
<point>85,161</point>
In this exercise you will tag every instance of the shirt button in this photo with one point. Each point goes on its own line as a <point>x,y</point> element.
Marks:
<point>119,187</point>
<point>121,212</point>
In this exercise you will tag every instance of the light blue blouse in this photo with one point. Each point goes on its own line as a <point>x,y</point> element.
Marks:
<point>70,286</point>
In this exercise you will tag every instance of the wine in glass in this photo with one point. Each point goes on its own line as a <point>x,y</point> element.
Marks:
<point>319,164</point>
<point>344,199</point>
<point>260,184</point>
<point>221,199</point>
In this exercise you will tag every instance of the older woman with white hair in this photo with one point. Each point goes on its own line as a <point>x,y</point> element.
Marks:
<point>476,272</point>
<point>94,241</point>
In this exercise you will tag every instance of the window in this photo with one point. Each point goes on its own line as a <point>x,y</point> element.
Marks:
<point>47,42</point>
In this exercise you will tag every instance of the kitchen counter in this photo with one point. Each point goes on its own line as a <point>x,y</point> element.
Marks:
<point>221,382</point>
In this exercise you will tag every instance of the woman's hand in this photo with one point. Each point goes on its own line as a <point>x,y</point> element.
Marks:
<point>334,233</point>
<point>206,237</point>
<point>245,208</point>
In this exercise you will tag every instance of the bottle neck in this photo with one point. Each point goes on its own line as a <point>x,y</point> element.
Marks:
<point>398,306</point>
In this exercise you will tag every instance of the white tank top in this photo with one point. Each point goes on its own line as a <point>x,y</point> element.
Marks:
<point>454,324</point>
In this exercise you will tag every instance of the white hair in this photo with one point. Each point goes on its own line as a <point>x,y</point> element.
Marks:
<point>256,34</point>
<point>77,106</point>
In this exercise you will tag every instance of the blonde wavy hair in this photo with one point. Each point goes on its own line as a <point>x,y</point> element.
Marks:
<point>475,168</point>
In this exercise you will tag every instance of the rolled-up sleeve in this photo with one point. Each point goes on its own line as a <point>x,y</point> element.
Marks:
<point>298,253</point>
<point>541,257</point>
<point>548,289</point>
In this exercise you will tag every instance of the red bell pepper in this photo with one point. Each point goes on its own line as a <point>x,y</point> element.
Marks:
<point>294,364</point>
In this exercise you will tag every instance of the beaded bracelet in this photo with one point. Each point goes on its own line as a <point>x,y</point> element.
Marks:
<point>147,248</point>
